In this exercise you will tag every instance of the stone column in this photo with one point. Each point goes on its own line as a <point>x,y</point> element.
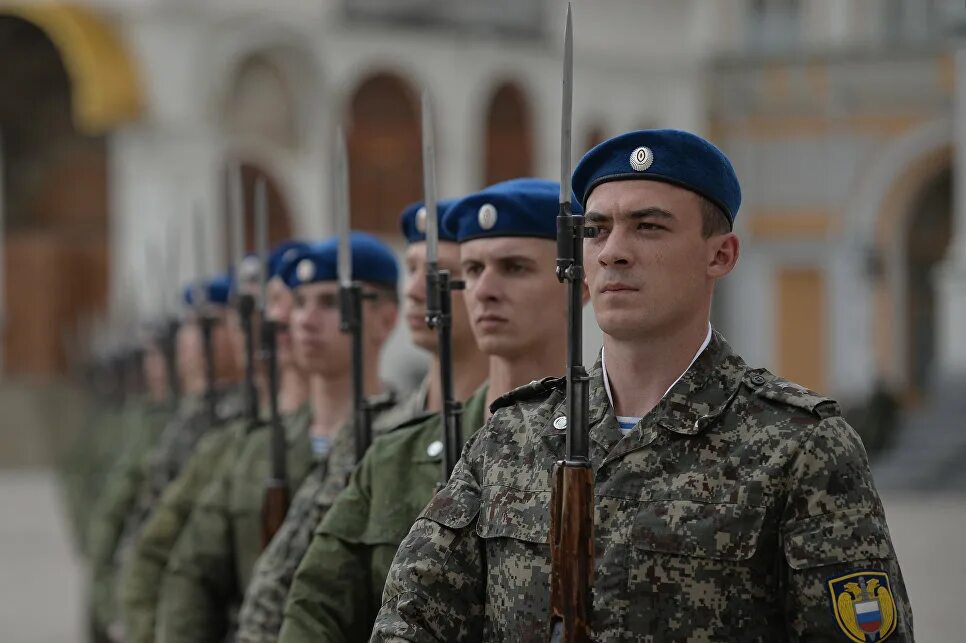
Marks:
<point>951,274</point>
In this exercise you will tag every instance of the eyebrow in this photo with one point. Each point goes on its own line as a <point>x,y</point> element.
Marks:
<point>499,259</point>
<point>599,217</point>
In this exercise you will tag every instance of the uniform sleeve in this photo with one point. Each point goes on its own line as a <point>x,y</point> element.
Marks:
<point>842,578</point>
<point>144,564</point>
<point>197,582</point>
<point>436,585</point>
<point>107,523</point>
<point>331,596</point>
<point>260,617</point>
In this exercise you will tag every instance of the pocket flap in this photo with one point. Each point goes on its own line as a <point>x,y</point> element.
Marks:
<point>513,513</point>
<point>840,537</point>
<point>704,530</point>
<point>454,506</point>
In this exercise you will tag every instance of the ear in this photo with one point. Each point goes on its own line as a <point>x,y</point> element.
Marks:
<point>723,252</point>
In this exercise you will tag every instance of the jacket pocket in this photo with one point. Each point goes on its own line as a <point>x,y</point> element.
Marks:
<point>716,531</point>
<point>506,512</point>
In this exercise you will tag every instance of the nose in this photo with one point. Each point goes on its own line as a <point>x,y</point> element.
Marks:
<point>416,285</point>
<point>486,286</point>
<point>615,250</point>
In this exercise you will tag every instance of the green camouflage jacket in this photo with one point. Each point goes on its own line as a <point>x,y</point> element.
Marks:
<point>260,617</point>
<point>337,589</point>
<point>741,508</point>
<point>143,422</point>
<point>142,567</point>
<point>212,559</point>
<point>174,447</point>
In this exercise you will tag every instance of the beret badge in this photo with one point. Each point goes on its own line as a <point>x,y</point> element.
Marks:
<point>421,220</point>
<point>487,216</point>
<point>641,158</point>
<point>305,271</point>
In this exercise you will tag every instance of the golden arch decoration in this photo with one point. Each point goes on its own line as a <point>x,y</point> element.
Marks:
<point>104,86</point>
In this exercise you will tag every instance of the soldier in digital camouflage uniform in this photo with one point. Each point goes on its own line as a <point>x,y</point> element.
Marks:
<point>211,563</point>
<point>508,264</point>
<point>260,617</point>
<point>143,566</point>
<point>731,505</point>
<point>192,418</point>
<point>144,418</point>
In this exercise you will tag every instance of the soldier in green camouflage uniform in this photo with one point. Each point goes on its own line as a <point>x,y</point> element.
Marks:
<point>145,417</point>
<point>192,419</point>
<point>509,275</point>
<point>211,563</point>
<point>144,564</point>
<point>730,504</point>
<point>260,617</point>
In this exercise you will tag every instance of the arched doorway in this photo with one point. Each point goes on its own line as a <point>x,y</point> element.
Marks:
<point>385,170</point>
<point>509,135</point>
<point>928,233</point>
<point>279,220</point>
<point>55,204</point>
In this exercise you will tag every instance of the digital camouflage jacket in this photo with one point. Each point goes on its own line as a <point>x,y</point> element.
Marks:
<point>741,508</point>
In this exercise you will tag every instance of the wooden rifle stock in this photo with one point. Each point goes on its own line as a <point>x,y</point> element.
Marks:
<point>274,508</point>
<point>571,551</point>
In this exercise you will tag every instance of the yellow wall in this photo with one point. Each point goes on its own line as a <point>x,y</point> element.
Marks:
<point>801,333</point>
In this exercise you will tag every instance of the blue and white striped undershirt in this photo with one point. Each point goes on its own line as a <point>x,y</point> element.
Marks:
<point>628,422</point>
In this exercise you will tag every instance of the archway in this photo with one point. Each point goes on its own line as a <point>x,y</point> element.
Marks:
<point>509,135</point>
<point>385,170</point>
<point>55,204</point>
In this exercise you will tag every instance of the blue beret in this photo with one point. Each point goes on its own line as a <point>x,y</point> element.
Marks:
<point>667,155</point>
<point>372,261</point>
<point>413,221</point>
<point>282,254</point>
<point>217,290</point>
<point>514,208</point>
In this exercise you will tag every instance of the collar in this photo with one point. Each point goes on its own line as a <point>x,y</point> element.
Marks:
<point>603,368</point>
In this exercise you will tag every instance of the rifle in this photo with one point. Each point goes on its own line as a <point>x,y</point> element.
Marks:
<point>244,300</point>
<point>277,496</point>
<point>439,302</point>
<point>206,321</point>
<point>572,499</point>
<point>351,297</point>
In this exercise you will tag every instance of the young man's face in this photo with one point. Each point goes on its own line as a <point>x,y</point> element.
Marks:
<point>650,268</point>
<point>512,293</point>
<point>278,307</point>
<point>320,347</point>
<point>415,293</point>
<point>155,371</point>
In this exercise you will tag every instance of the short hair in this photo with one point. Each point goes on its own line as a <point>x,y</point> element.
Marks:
<point>713,219</point>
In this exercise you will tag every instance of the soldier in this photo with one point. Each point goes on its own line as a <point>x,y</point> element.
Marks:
<point>143,567</point>
<point>144,418</point>
<point>211,563</point>
<point>261,615</point>
<point>730,504</point>
<point>518,316</point>
<point>192,418</point>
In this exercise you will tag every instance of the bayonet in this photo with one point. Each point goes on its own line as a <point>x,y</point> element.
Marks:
<point>439,301</point>
<point>572,497</point>
<point>244,299</point>
<point>351,297</point>
<point>206,321</point>
<point>277,493</point>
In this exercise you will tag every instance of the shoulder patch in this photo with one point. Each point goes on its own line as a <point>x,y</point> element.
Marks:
<point>776,389</point>
<point>533,390</point>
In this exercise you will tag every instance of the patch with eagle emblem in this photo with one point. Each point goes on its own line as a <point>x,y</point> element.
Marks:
<point>863,606</point>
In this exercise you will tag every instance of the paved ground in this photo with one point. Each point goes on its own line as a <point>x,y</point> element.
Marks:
<point>41,589</point>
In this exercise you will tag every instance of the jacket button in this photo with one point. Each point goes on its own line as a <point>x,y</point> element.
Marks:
<point>757,380</point>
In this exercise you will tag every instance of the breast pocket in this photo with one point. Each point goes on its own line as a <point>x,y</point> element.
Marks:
<point>514,528</point>
<point>698,562</point>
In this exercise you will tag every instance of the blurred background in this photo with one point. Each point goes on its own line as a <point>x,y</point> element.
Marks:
<point>845,119</point>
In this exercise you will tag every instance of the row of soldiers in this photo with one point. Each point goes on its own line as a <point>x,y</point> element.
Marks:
<point>670,493</point>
